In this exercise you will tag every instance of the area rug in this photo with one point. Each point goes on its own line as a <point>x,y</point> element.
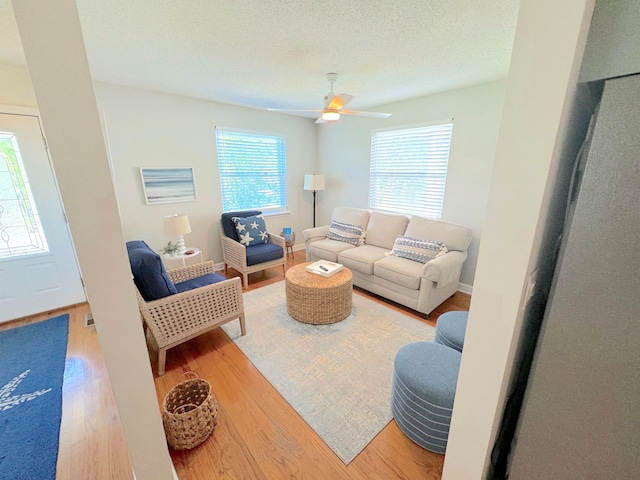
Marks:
<point>32,361</point>
<point>338,376</point>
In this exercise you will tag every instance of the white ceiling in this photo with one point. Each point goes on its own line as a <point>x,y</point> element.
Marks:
<point>275,53</point>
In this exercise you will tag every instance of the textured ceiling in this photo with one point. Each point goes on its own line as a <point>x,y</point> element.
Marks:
<point>275,53</point>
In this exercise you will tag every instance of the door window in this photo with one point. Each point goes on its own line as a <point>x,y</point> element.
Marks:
<point>20,228</point>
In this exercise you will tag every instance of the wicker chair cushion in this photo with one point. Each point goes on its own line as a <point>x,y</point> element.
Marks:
<point>148,271</point>
<point>229,227</point>
<point>199,282</point>
<point>263,253</point>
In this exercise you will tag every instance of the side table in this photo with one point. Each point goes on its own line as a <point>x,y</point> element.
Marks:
<point>189,253</point>
<point>289,241</point>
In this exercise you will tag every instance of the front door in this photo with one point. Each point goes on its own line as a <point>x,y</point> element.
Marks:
<point>38,267</point>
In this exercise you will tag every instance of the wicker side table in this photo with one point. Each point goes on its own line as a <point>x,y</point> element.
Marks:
<point>318,300</point>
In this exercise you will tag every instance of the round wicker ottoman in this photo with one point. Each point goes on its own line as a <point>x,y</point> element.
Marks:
<point>450,329</point>
<point>424,382</point>
<point>318,300</point>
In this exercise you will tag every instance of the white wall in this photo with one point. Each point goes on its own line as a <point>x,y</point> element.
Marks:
<point>541,91</point>
<point>344,150</point>
<point>15,87</point>
<point>151,129</point>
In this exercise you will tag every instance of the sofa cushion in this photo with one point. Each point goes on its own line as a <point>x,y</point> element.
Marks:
<point>418,250</point>
<point>454,236</point>
<point>264,252</point>
<point>229,228</point>
<point>328,249</point>
<point>199,282</point>
<point>346,232</point>
<point>400,271</point>
<point>149,273</point>
<point>251,230</point>
<point>354,216</point>
<point>384,228</point>
<point>361,259</point>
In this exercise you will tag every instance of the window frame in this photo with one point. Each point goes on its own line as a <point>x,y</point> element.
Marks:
<point>382,169</point>
<point>280,165</point>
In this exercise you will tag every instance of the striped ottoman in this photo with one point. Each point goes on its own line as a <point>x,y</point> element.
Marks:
<point>425,375</point>
<point>450,329</point>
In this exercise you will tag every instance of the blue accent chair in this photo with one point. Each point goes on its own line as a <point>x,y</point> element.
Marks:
<point>255,258</point>
<point>180,304</point>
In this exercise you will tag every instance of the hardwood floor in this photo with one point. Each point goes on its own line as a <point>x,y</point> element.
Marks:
<point>92,444</point>
<point>258,436</point>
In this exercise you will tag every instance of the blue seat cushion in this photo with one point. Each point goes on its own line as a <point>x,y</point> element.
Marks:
<point>228,225</point>
<point>264,252</point>
<point>149,273</point>
<point>199,282</point>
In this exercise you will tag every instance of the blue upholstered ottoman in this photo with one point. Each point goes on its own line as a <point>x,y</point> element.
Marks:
<point>450,329</point>
<point>425,375</point>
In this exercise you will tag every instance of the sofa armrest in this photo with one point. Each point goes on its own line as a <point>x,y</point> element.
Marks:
<point>314,234</point>
<point>446,268</point>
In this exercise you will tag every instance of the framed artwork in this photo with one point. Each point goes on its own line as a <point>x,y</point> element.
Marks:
<point>167,184</point>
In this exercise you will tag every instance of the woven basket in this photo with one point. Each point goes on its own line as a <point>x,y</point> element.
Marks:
<point>189,413</point>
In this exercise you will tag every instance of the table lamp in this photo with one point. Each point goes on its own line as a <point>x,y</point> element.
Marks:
<point>177,225</point>
<point>315,183</point>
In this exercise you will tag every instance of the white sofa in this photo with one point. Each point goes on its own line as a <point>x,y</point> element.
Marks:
<point>419,286</point>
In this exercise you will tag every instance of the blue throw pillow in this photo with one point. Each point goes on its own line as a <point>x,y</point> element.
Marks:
<point>251,230</point>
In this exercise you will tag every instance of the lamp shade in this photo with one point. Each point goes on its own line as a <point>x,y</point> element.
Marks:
<point>314,182</point>
<point>176,225</point>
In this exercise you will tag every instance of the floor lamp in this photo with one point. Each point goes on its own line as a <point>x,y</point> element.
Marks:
<point>315,183</point>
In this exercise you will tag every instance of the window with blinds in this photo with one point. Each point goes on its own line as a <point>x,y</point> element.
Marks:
<point>409,169</point>
<point>253,170</point>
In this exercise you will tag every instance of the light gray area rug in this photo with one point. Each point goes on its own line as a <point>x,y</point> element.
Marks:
<point>338,376</point>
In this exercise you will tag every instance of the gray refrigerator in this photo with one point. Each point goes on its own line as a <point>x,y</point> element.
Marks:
<point>580,418</point>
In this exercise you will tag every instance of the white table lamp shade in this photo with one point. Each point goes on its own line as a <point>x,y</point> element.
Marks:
<point>314,182</point>
<point>177,226</point>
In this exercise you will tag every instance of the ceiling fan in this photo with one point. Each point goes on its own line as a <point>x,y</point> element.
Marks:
<point>334,106</point>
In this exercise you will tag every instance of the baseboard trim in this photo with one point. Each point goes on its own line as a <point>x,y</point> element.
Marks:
<point>464,288</point>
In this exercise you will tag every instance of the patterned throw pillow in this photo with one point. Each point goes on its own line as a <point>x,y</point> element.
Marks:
<point>251,230</point>
<point>345,232</point>
<point>418,250</point>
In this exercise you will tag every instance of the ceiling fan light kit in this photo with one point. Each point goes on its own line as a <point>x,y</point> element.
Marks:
<point>330,116</point>
<point>333,106</point>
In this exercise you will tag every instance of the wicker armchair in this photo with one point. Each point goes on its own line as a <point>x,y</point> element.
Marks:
<point>178,317</point>
<point>235,254</point>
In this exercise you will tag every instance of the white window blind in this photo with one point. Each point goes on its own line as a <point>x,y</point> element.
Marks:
<point>409,169</point>
<point>253,170</point>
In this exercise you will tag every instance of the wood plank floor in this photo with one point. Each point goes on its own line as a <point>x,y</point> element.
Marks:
<point>258,436</point>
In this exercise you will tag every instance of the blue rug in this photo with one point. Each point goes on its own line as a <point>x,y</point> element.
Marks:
<point>32,361</point>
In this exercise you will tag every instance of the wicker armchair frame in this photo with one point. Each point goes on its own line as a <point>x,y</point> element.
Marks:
<point>235,256</point>
<point>178,318</point>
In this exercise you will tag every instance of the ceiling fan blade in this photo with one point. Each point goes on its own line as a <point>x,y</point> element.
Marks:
<point>339,101</point>
<point>320,120</point>
<point>288,110</point>
<point>366,114</point>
